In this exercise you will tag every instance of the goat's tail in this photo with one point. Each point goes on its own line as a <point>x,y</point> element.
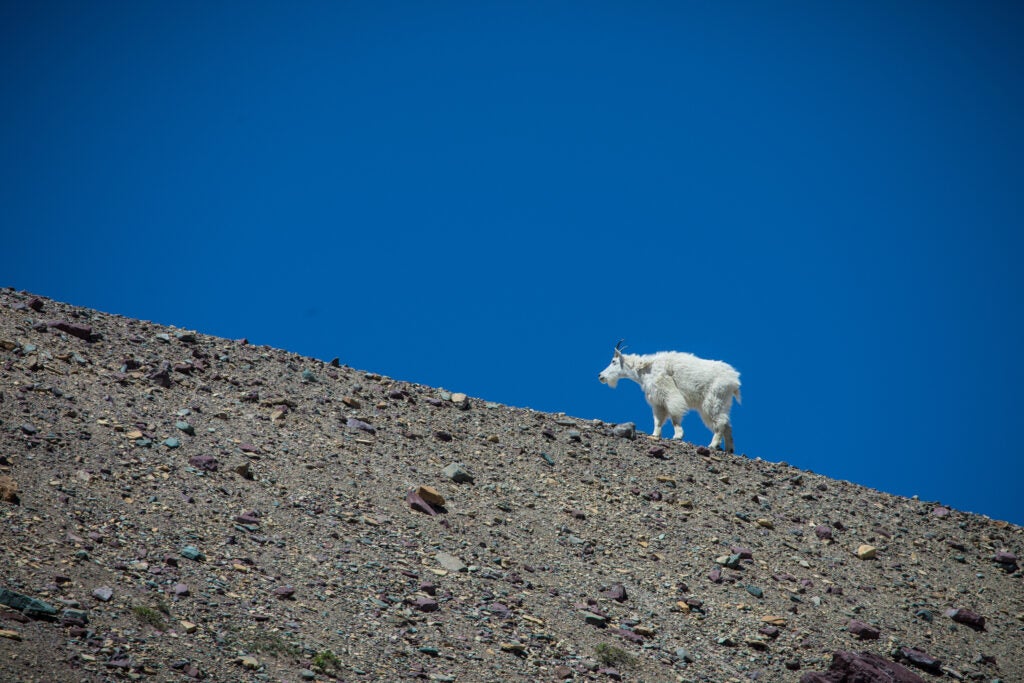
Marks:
<point>739,399</point>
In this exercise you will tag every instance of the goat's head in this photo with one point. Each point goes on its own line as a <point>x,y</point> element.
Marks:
<point>617,369</point>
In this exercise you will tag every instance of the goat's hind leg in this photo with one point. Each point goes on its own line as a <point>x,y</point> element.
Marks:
<point>677,424</point>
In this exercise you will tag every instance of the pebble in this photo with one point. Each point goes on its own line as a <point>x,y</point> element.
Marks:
<point>862,630</point>
<point>190,552</point>
<point>867,552</point>
<point>450,562</point>
<point>103,594</point>
<point>185,427</point>
<point>458,473</point>
<point>172,442</point>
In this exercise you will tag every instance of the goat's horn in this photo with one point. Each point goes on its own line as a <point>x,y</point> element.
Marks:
<point>618,346</point>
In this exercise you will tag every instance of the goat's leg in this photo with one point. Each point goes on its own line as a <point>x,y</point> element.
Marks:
<point>659,420</point>
<point>677,423</point>
<point>727,433</point>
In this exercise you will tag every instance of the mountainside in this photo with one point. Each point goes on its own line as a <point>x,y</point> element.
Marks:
<point>177,506</point>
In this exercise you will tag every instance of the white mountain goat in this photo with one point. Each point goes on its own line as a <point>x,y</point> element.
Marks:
<point>675,382</point>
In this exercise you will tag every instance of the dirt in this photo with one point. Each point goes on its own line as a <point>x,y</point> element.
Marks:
<point>193,507</point>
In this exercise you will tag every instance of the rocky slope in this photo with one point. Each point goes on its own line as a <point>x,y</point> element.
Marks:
<point>178,506</point>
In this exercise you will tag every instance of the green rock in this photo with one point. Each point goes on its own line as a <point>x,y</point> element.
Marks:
<point>172,442</point>
<point>185,427</point>
<point>755,591</point>
<point>30,607</point>
<point>193,553</point>
<point>548,459</point>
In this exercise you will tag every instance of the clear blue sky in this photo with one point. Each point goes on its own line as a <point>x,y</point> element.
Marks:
<point>486,196</point>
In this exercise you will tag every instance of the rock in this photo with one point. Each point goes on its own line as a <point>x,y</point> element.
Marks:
<point>180,590</point>
<point>921,660</point>
<point>967,618</point>
<point>248,661</point>
<point>867,552</point>
<point>862,630</point>
<point>862,667</point>
<point>425,499</point>
<point>617,593</point>
<point>941,512</point>
<point>9,490</point>
<point>103,594</point>
<point>458,473</point>
<point>442,435</point>
<point>207,463</point>
<point>244,470</point>
<point>191,552</point>
<point>755,591</point>
<point>161,375</point>
<point>185,427</point>
<point>284,592</point>
<point>1007,559</point>
<point>172,442</point>
<point>450,562</point>
<point>425,604</point>
<point>354,423</point>
<point>32,608</point>
<point>187,626</point>
<point>74,329</point>
<point>626,430</point>
<point>823,532</point>
<point>595,619</point>
<point>9,634</point>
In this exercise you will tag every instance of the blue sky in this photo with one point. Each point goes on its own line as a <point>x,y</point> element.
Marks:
<point>486,196</point>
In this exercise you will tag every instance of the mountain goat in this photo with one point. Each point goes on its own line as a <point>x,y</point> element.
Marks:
<point>675,382</point>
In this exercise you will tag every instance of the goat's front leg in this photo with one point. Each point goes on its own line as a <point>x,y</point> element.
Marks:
<point>660,414</point>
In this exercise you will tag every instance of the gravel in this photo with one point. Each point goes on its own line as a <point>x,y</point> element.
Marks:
<point>310,521</point>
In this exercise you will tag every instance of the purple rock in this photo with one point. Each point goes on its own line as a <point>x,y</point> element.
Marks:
<point>967,618</point>
<point>425,604</point>
<point>161,375</point>
<point>655,451</point>
<point>862,630</point>
<point>940,512</point>
<point>74,329</point>
<point>207,463</point>
<point>715,575</point>
<point>617,593</point>
<point>180,590</point>
<point>744,553</point>
<point>251,517</point>
<point>864,667</point>
<point>284,592</point>
<point>823,532</point>
<point>442,436</point>
<point>1004,557</point>
<point>631,636</point>
<point>360,425</point>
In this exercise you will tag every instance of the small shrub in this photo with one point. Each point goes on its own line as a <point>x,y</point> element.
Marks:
<point>609,655</point>
<point>148,615</point>
<point>327,661</point>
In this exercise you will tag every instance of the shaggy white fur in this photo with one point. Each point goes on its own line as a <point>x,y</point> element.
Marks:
<point>675,382</point>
